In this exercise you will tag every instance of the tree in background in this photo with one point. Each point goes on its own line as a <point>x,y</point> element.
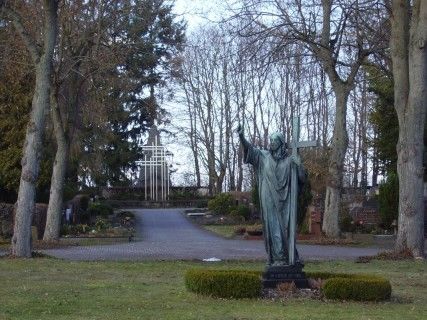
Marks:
<point>384,119</point>
<point>336,34</point>
<point>144,37</point>
<point>42,56</point>
<point>103,98</point>
<point>388,200</point>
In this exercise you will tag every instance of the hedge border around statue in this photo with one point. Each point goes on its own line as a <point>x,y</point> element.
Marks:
<point>235,284</point>
<point>247,284</point>
<point>357,288</point>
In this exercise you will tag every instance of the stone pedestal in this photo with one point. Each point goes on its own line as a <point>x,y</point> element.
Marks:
<point>274,275</point>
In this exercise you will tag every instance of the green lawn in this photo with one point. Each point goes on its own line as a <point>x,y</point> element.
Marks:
<point>226,231</point>
<point>57,289</point>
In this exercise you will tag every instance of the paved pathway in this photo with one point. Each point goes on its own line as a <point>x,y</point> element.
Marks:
<point>165,234</point>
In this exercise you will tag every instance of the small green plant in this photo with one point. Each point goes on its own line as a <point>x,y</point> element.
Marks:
<point>242,211</point>
<point>224,283</point>
<point>100,209</point>
<point>223,203</point>
<point>101,224</point>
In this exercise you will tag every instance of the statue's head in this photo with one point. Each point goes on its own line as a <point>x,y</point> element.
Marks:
<point>277,140</point>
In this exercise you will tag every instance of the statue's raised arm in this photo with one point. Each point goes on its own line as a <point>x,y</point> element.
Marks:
<point>250,152</point>
<point>241,133</point>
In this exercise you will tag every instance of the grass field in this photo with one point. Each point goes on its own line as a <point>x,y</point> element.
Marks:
<point>55,289</point>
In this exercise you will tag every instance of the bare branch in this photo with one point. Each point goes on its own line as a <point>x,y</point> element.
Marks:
<point>31,45</point>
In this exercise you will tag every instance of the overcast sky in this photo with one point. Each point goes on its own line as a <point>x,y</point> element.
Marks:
<point>199,12</point>
<point>196,13</point>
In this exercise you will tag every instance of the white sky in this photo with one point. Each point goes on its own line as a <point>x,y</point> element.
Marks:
<point>199,12</point>
<point>196,13</point>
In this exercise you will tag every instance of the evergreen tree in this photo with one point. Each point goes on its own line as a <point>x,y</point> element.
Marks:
<point>148,38</point>
<point>384,119</point>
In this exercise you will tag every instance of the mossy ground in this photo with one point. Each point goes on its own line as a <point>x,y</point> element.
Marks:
<point>57,289</point>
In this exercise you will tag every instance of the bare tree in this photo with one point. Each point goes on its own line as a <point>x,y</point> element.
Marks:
<point>74,64</point>
<point>335,33</point>
<point>409,56</point>
<point>42,56</point>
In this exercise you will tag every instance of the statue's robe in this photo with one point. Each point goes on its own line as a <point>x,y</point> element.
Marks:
<point>274,188</point>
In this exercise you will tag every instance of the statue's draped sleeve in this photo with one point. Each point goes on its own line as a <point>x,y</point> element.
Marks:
<point>251,154</point>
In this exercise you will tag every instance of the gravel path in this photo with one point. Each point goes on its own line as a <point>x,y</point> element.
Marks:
<point>165,234</point>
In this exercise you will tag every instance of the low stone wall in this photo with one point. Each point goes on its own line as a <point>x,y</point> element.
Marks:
<point>196,203</point>
<point>7,216</point>
<point>6,220</point>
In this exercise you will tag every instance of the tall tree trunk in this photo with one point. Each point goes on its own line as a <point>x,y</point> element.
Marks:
<point>21,240</point>
<point>336,164</point>
<point>409,56</point>
<point>54,210</point>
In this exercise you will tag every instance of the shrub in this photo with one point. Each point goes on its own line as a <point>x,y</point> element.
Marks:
<point>242,211</point>
<point>255,230</point>
<point>223,203</point>
<point>346,223</point>
<point>248,284</point>
<point>239,230</point>
<point>388,200</point>
<point>224,283</point>
<point>101,224</point>
<point>125,214</point>
<point>357,287</point>
<point>347,286</point>
<point>100,209</point>
<point>75,229</point>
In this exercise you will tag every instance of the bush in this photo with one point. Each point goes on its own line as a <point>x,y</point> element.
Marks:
<point>346,223</point>
<point>74,230</point>
<point>248,284</point>
<point>224,283</point>
<point>100,209</point>
<point>223,203</point>
<point>357,287</point>
<point>101,224</point>
<point>255,230</point>
<point>242,211</point>
<point>125,214</point>
<point>239,230</point>
<point>388,200</point>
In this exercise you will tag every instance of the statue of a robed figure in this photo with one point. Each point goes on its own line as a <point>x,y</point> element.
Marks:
<point>280,175</point>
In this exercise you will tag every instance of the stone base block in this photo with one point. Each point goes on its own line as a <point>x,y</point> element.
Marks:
<point>274,275</point>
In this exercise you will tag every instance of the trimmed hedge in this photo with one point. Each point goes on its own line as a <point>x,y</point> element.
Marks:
<point>358,288</point>
<point>100,209</point>
<point>235,284</point>
<point>347,286</point>
<point>248,284</point>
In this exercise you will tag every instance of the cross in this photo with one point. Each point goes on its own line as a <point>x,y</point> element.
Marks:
<point>295,145</point>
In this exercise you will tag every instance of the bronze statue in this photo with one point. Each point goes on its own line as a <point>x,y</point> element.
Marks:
<point>279,176</point>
